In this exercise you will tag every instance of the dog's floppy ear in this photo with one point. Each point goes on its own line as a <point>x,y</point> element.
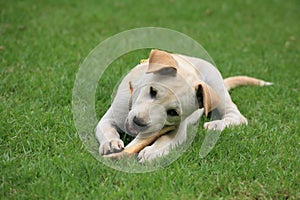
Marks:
<point>161,60</point>
<point>207,97</point>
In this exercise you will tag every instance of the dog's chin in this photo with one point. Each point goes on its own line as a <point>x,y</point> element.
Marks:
<point>129,130</point>
<point>142,133</point>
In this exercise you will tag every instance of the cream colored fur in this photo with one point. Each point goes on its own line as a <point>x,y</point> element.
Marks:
<point>168,89</point>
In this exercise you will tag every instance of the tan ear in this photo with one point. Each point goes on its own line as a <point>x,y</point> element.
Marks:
<point>207,97</point>
<point>159,60</point>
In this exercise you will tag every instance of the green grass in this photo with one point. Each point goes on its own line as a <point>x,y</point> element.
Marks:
<point>43,43</point>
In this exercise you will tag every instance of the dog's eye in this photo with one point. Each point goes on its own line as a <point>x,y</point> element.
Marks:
<point>153,92</point>
<point>172,112</point>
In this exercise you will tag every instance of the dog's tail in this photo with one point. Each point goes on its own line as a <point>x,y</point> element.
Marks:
<point>235,81</point>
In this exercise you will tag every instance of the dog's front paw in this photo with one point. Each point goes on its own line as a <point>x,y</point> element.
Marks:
<point>217,125</point>
<point>149,153</point>
<point>111,146</point>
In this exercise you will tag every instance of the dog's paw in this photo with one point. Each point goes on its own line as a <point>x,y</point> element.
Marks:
<point>243,120</point>
<point>111,146</point>
<point>149,153</point>
<point>217,125</point>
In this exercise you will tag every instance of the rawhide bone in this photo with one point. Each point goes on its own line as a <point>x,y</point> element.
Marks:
<point>138,143</point>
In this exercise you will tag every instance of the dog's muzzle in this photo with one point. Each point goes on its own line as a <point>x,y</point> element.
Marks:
<point>131,131</point>
<point>135,126</point>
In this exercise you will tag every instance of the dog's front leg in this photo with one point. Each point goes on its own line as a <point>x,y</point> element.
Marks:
<point>108,136</point>
<point>159,148</point>
<point>165,143</point>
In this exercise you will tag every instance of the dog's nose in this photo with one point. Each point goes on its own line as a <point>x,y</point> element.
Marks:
<point>139,122</point>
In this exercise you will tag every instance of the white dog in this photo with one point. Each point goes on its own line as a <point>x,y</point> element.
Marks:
<point>168,89</point>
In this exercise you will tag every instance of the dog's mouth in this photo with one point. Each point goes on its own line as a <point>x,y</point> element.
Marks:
<point>134,132</point>
<point>131,131</point>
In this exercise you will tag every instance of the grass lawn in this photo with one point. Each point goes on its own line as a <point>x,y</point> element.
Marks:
<point>42,44</point>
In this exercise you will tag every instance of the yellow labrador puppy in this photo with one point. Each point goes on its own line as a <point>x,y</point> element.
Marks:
<point>168,90</point>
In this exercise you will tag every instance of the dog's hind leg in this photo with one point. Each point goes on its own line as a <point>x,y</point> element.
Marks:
<point>227,112</point>
<point>231,116</point>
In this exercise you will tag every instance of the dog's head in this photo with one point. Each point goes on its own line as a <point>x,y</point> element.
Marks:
<point>169,92</point>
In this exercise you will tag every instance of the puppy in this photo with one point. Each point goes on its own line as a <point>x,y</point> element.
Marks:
<point>168,90</point>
